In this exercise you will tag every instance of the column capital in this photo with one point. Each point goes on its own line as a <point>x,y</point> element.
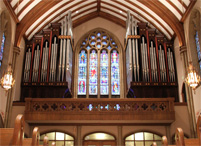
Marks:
<point>16,50</point>
<point>183,49</point>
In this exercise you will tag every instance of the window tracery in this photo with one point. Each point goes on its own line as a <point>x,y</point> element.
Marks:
<point>99,75</point>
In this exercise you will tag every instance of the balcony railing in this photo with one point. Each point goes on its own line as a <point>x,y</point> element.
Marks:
<point>160,110</point>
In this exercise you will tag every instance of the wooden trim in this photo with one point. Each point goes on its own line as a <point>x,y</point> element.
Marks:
<point>176,8</point>
<point>180,104</point>
<point>113,11</point>
<point>18,14</point>
<point>84,19</point>
<point>52,18</point>
<point>10,9</point>
<point>113,19</point>
<point>188,10</point>
<point>98,5</point>
<point>17,5</point>
<point>34,14</point>
<point>169,18</point>
<point>183,4</point>
<point>144,16</point>
<point>16,103</point>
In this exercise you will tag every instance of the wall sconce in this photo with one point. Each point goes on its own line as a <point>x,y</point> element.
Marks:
<point>192,79</point>
<point>7,80</point>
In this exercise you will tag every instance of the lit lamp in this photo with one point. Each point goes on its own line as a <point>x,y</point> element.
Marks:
<point>7,81</point>
<point>192,79</point>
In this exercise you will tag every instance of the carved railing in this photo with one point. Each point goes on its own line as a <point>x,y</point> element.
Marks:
<point>158,109</point>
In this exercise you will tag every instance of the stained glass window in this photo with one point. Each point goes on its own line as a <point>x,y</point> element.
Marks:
<point>93,73</point>
<point>198,48</point>
<point>104,73</point>
<point>98,74</point>
<point>115,73</point>
<point>2,48</point>
<point>82,74</point>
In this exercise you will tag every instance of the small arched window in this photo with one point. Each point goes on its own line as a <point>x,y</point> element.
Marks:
<point>98,66</point>
<point>2,48</point>
<point>60,139</point>
<point>143,139</point>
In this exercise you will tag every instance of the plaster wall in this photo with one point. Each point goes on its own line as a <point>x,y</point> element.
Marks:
<point>197,93</point>
<point>8,53</point>
<point>99,22</point>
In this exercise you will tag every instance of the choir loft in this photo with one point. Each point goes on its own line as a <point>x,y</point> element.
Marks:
<point>100,72</point>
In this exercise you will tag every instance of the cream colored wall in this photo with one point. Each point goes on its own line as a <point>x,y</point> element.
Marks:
<point>8,58</point>
<point>18,72</point>
<point>197,93</point>
<point>99,22</point>
<point>181,120</point>
<point>180,68</point>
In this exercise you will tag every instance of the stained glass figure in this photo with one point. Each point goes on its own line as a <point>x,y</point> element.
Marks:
<point>82,74</point>
<point>104,73</point>
<point>115,84</point>
<point>93,73</point>
<point>198,48</point>
<point>2,48</point>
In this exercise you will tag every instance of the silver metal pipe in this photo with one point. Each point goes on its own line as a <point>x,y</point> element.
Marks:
<point>60,55</point>
<point>133,49</point>
<point>147,64</point>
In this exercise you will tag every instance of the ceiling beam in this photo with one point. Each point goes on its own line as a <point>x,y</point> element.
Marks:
<point>168,17</point>
<point>191,5</point>
<point>10,9</point>
<point>31,17</point>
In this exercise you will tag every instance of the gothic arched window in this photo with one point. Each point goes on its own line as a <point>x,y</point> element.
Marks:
<point>98,66</point>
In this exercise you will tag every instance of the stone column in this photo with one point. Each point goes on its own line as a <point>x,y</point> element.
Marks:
<point>189,95</point>
<point>8,113</point>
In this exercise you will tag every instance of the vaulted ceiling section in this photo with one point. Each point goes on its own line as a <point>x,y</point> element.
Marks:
<point>32,16</point>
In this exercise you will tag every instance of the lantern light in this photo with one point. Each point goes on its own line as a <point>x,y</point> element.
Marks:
<point>192,79</point>
<point>7,80</point>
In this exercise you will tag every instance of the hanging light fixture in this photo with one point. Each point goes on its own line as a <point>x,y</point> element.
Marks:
<point>7,80</point>
<point>192,79</point>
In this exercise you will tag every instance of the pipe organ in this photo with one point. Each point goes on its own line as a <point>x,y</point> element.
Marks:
<point>48,62</point>
<point>150,62</point>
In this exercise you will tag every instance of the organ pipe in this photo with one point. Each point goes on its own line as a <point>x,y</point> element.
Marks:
<point>44,63</point>
<point>36,64</point>
<point>162,64</point>
<point>27,65</point>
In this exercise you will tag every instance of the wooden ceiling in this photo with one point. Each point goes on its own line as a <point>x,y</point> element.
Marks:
<point>32,16</point>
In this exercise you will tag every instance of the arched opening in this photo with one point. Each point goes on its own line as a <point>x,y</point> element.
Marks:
<point>60,138</point>
<point>98,66</point>
<point>99,139</point>
<point>143,139</point>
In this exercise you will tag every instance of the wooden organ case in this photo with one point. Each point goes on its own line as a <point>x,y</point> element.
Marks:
<point>48,62</point>
<point>150,63</point>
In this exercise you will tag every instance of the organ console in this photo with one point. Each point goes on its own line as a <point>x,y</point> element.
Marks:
<point>48,62</point>
<point>150,62</point>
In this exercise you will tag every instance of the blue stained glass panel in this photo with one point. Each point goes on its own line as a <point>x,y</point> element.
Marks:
<point>104,43</point>
<point>2,48</point>
<point>82,74</point>
<point>98,34</point>
<point>98,46</point>
<point>104,73</point>
<point>104,37</point>
<point>88,47</point>
<point>115,84</point>
<point>109,47</point>
<point>93,43</point>
<point>93,73</point>
<point>113,43</point>
<point>93,37</point>
<point>198,47</point>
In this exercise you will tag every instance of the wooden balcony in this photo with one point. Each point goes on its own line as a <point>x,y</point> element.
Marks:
<point>137,110</point>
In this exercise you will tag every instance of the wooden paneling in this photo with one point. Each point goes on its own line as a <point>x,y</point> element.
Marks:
<point>159,110</point>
